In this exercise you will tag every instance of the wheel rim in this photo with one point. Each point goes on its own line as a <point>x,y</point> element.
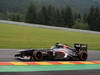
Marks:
<point>39,56</point>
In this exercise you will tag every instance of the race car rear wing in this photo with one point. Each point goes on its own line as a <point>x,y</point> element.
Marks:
<point>80,47</point>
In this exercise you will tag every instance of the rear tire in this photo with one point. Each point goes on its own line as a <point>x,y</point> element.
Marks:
<point>83,55</point>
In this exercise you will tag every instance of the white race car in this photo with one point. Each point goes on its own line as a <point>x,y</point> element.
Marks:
<point>57,52</point>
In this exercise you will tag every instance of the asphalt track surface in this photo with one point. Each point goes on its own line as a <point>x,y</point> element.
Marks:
<point>81,72</point>
<point>8,55</point>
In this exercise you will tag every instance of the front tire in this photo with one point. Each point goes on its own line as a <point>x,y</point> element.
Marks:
<point>37,56</point>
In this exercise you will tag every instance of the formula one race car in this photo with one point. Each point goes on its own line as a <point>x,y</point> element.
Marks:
<point>57,52</point>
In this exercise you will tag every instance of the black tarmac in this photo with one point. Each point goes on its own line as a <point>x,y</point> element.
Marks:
<point>81,72</point>
<point>7,55</point>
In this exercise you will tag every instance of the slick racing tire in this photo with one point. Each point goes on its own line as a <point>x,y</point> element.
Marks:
<point>37,56</point>
<point>83,55</point>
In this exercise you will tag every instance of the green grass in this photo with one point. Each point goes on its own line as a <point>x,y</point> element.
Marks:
<point>15,36</point>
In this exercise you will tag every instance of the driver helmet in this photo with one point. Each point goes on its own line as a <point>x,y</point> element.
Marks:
<point>58,45</point>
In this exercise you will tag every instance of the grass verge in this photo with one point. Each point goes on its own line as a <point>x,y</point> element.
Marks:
<point>15,36</point>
